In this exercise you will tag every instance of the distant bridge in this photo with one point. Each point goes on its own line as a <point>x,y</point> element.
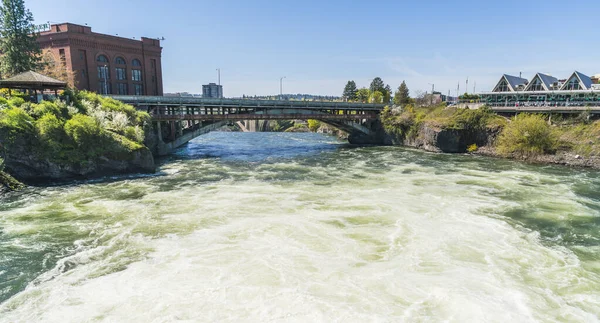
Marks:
<point>181,119</point>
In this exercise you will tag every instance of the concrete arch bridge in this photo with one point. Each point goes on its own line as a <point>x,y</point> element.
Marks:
<point>178,120</point>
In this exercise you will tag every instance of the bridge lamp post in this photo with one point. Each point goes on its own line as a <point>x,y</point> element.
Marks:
<point>281,87</point>
<point>432,89</point>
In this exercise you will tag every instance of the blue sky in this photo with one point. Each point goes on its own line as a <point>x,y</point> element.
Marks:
<point>320,45</point>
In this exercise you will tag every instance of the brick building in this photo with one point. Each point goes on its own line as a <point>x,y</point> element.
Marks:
<point>103,63</point>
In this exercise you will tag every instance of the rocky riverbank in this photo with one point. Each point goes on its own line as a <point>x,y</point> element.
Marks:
<point>80,136</point>
<point>571,142</point>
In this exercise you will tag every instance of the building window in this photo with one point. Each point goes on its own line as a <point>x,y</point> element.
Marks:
<point>136,62</point>
<point>121,74</point>
<point>573,84</point>
<point>120,61</point>
<point>103,87</point>
<point>102,59</point>
<point>103,72</point>
<point>537,85</point>
<point>122,88</point>
<point>139,89</point>
<point>61,53</point>
<point>502,86</point>
<point>136,75</point>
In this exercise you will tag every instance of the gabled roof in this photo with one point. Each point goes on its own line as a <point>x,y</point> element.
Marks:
<point>31,79</point>
<point>584,81</point>
<point>513,82</point>
<point>547,81</point>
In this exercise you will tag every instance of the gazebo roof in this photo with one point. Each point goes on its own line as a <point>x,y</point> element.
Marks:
<point>32,80</point>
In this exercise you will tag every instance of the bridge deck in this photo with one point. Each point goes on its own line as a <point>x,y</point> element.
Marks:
<point>243,103</point>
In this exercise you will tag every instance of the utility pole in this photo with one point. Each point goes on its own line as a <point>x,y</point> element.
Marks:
<point>281,87</point>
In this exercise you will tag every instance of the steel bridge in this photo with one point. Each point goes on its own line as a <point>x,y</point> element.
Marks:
<point>181,119</point>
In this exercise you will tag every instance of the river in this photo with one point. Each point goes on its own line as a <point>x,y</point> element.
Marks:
<point>276,227</point>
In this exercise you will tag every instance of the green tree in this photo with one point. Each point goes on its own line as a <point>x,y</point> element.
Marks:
<point>377,85</point>
<point>362,95</point>
<point>350,91</point>
<point>20,51</point>
<point>314,125</point>
<point>376,97</point>
<point>402,95</point>
<point>387,95</point>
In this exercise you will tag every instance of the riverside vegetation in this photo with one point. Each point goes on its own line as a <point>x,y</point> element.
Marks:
<point>56,140</point>
<point>532,137</point>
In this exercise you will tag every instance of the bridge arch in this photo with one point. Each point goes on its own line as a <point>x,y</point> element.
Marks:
<point>183,119</point>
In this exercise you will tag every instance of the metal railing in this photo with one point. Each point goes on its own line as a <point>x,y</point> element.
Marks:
<point>191,101</point>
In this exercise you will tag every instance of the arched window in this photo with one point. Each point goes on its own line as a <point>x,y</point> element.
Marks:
<point>120,61</point>
<point>102,58</point>
<point>136,62</point>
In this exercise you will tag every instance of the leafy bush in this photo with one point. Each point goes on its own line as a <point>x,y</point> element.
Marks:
<point>134,133</point>
<point>527,134</point>
<point>84,131</point>
<point>13,122</point>
<point>472,148</point>
<point>314,125</point>
<point>16,101</point>
<point>51,134</point>
<point>55,108</point>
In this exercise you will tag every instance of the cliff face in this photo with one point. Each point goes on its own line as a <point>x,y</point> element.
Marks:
<point>432,138</point>
<point>26,165</point>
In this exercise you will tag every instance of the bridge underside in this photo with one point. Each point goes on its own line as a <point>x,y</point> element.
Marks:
<point>177,126</point>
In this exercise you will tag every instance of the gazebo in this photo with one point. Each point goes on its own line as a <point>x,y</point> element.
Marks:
<point>33,81</point>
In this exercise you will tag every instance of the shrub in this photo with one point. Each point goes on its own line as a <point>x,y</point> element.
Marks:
<point>51,133</point>
<point>134,133</point>
<point>55,108</point>
<point>84,131</point>
<point>472,148</point>
<point>314,125</point>
<point>13,122</point>
<point>527,134</point>
<point>16,101</point>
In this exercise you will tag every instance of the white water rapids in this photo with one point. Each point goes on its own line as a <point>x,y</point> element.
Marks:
<point>296,228</point>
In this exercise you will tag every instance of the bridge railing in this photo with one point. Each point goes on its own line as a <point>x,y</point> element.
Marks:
<point>165,100</point>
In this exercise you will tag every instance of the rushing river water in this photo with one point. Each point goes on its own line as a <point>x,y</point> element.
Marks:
<point>262,227</point>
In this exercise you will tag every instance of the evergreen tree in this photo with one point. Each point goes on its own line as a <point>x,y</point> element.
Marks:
<point>363,95</point>
<point>402,96</point>
<point>387,95</point>
<point>20,51</point>
<point>377,85</point>
<point>350,91</point>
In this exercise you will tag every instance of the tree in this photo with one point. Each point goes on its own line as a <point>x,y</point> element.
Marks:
<point>20,51</point>
<point>350,91</point>
<point>376,97</point>
<point>49,66</point>
<point>362,95</point>
<point>421,98</point>
<point>387,95</point>
<point>402,95</point>
<point>377,85</point>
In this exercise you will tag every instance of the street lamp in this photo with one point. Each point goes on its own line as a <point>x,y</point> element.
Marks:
<point>281,87</point>
<point>105,79</point>
<point>432,89</point>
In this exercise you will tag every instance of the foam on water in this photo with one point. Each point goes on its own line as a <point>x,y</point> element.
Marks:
<point>364,234</point>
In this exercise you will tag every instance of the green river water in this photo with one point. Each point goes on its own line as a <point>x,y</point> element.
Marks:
<point>271,227</point>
